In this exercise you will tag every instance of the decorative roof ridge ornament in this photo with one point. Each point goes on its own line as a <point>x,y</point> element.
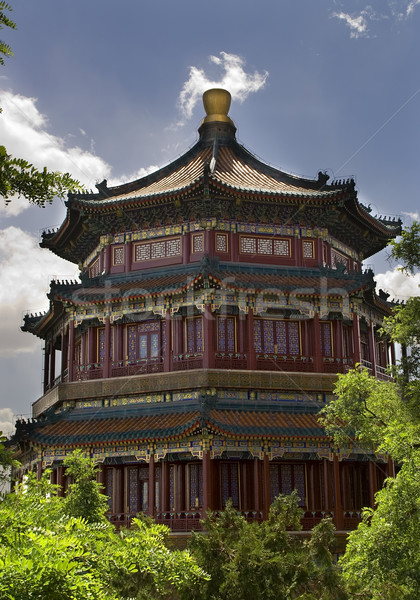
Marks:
<point>216,123</point>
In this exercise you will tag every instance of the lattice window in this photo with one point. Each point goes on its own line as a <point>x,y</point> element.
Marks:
<point>195,476</point>
<point>308,249</point>
<point>221,242</point>
<point>101,345</point>
<point>143,501</point>
<point>248,245</point>
<point>173,247</point>
<point>277,337</point>
<point>194,335</point>
<point>284,478</point>
<point>337,258</point>
<point>94,268</point>
<point>281,247</point>
<point>226,334</point>
<point>230,483</point>
<point>118,255</point>
<point>265,246</point>
<point>172,487</point>
<point>133,490</point>
<point>326,339</point>
<point>268,335</point>
<point>198,243</point>
<point>157,249</point>
<point>142,252</point>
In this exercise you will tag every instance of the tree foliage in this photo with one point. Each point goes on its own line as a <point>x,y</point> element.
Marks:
<point>247,560</point>
<point>5,21</point>
<point>18,177</point>
<point>49,552</point>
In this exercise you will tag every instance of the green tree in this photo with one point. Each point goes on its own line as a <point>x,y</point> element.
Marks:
<point>18,177</point>
<point>247,560</point>
<point>47,552</point>
<point>5,49</point>
<point>382,559</point>
<point>84,498</point>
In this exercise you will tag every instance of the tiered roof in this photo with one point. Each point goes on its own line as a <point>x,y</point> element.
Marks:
<point>217,166</point>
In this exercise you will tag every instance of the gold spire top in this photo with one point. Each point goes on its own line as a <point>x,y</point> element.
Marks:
<point>216,104</point>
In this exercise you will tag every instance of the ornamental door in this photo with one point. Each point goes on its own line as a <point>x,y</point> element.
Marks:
<point>137,489</point>
<point>277,337</point>
<point>284,478</point>
<point>145,342</point>
<point>229,483</point>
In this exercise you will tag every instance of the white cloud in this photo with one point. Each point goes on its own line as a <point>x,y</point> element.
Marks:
<point>24,133</point>
<point>235,79</point>
<point>398,285</point>
<point>415,216</point>
<point>411,6</point>
<point>25,274</point>
<point>7,421</point>
<point>142,172</point>
<point>358,25</point>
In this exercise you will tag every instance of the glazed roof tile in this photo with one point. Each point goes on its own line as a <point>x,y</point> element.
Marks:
<point>233,170</point>
<point>302,281</point>
<point>274,424</point>
<point>147,423</point>
<point>114,429</point>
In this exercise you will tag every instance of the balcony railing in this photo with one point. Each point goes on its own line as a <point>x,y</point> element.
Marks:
<point>183,362</point>
<point>186,521</point>
<point>230,360</point>
<point>277,362</point>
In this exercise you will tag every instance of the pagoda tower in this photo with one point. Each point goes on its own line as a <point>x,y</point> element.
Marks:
<point>218,300</point>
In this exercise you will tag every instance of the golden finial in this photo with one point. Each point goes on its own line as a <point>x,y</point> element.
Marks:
<point>216,104</point>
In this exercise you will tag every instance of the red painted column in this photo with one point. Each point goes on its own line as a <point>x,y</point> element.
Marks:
<point>208,326</point>
<point>326,506</point>
<point>391,467</point>
<point>338,508</point>
<point>91,352</point>
<point>266,486</point>
<point>107,258</point>
<point>167,358</point>
<point>52,364</point>
<point>257,484</point>
<point>151,510</point>
<point>118,490</point>
<point>100,477</point>
<point>46,366</point>
<point>83,349</point>
<point>356,338</point>
<point>60,481</point>
<point>339,339</point>
<point>207,488</point>
<point>372,348</point>
<point>106,368</point>
<point>64,352</point>
<point>164,504</point>
<point>39,469</point>
<point>186,248</point>
<point>372,483</point>
<point>71,350</point>
<point>178,335</point>
<point>251,355</point>
<point>128,257</point>
<point>318,363</point>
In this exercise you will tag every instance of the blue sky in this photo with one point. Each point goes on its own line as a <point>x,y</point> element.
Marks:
<point>105,89</point>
